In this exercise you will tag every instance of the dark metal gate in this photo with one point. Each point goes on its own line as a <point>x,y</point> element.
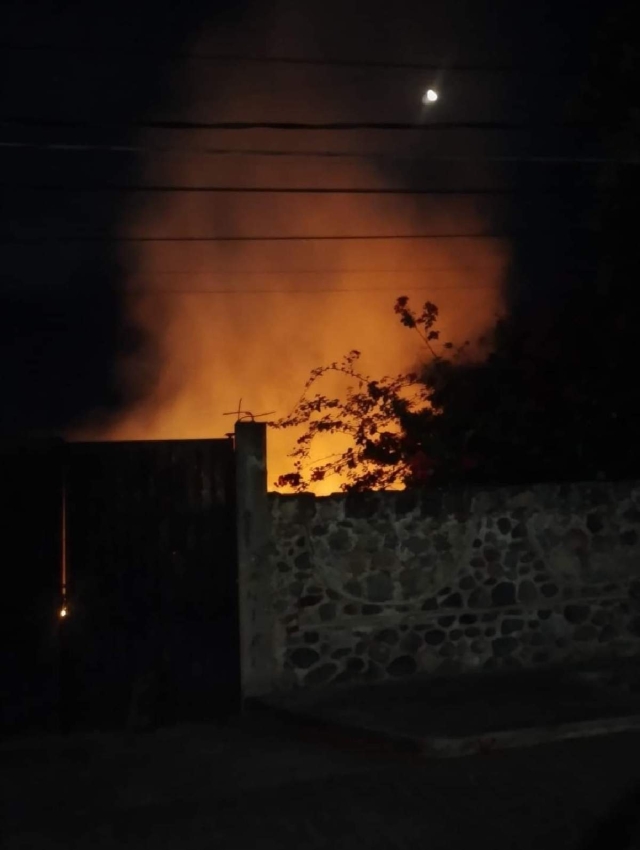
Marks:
<point>150,635</point>
<point>30,521</point>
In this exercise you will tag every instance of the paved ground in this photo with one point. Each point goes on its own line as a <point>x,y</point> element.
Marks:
<point>467,713</point>
<point>253,785</point>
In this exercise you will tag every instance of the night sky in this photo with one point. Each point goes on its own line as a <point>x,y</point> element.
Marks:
<point>62,318</point>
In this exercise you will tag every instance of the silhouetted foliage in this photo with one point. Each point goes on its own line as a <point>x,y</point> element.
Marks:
<point>391,422</point>
<point>553,392</point>
<point>548,404</point>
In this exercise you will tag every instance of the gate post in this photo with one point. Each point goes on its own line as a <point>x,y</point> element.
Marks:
<point>254,579</point>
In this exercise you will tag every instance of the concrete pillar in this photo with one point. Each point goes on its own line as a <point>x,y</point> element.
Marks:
<point>257,660</point>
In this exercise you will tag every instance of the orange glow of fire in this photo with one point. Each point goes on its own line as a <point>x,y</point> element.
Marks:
<point>210,347</point>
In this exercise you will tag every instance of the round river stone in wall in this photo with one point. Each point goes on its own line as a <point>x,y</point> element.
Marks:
<point>304,657</point>
<point>380,652</point>
<point>389,636</point>
<point>504,646</point>
<point>453,601</point>
<point>310,601</point>
<point>379,587</point>
<point>586,632</point>
<point>479,598</point>
<point>405,665</point>
<point>340,540</point>
<point>595,523</point>
<point>576,613</point>
<point>303,561</point>
<point>504,525</point>
<point>504,593</point>
<point>527,593</point>
<point>434,637</point>
<point>410,642</point>
<point>327,611</point>
<point>321,675</point>
<point>341,653</point>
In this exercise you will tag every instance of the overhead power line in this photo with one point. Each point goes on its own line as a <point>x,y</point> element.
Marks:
<point>465,268</point>
<point>314,272</point>
<point>399,289</point>
<point>392,237</point>
<point>316,291</point>
<point>72,147</point>
<point>279,190</point>
<point>320,154</point>
<point>395,291</point>
<point>297,126</point>
<point>262,59</point>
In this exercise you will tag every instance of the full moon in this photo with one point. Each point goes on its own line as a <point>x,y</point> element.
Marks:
<point>430,96</point>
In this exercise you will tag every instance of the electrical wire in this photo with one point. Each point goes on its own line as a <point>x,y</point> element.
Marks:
<point>69,189</point>
<point>369,273</point>
<point>142,51</point>
<point>315,291</point>
<point>72,147</point>
<point>316,272</point>
<point>400,289</point>
<point>287,126</point>
<point>73,239</point>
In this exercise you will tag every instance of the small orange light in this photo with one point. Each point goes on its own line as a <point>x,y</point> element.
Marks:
<point>63,611</point>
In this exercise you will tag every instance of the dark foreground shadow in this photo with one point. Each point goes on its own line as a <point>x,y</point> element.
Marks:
<point>619,829</point>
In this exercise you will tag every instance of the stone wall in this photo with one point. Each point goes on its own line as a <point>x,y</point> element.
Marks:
<point>368,587</point>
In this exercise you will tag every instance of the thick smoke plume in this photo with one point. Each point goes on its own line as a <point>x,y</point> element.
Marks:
<point>249,320</point>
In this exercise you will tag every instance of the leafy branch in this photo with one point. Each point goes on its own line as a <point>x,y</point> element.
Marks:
<point>376,416</point>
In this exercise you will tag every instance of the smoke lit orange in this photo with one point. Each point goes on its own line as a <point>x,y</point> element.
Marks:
<point>230,321</point>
